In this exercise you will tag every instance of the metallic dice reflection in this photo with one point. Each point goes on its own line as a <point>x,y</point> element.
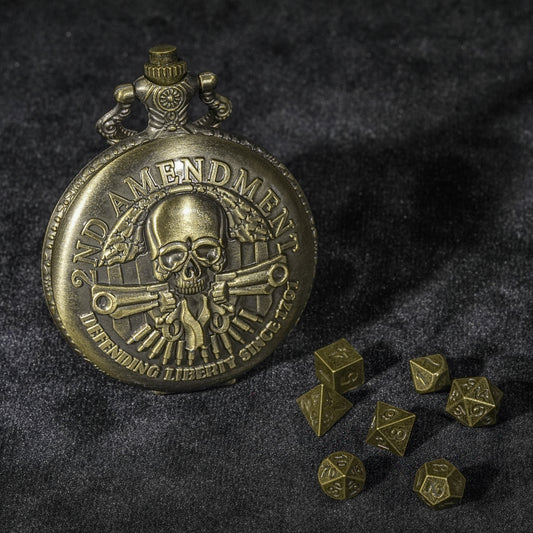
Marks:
<point>430,373</point>
<point>341,475</point>
<point>391,428</point>
<point>322,407</point>
<point>474,402</point>
<point>339,366</point>
<point>439,484</point>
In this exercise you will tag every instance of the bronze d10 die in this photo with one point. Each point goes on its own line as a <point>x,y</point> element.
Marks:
<point>322,408</point>
<point>439,484</point>
<point>430,373</point>
<point>474,402</point>
<point>341,475</point>
<point>391,428</point>
<point>339,366</point>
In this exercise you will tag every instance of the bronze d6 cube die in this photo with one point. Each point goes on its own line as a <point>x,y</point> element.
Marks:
<point>339,366</point>
<point>430,373</point>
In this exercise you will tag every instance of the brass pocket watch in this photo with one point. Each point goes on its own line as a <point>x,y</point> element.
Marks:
<point>181,256</point>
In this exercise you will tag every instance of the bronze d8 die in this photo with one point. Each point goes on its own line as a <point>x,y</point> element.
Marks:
<point>390,428</point>
<point>339,366</point>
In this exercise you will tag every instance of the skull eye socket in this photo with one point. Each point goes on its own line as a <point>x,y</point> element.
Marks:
<point>207,250</point>
<point>208,254</point>
<point>172,259</point>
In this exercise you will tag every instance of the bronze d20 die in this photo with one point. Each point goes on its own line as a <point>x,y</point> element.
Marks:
<point>474,402</point>
<point>430,373</point>
<point>341,475</point>
<point>439,484</point>
<point>339,366</point>
<point>323,407</point>
<point>391,428</point>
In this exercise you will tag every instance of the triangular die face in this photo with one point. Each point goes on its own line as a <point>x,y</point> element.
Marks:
<point>459,412</point>
<point>333,407</point>
<point>466,385</point>
<point>328,472</point>
<point>336,489</point>
<point>388,414</point>
<point>481,392</point>
<point>375,438</point>
<point>309,404</point>
<point>476,411</point>
<point>353,487</point>
<point>341,461</point>
<point>397,436</point>
<point>455,396</point>
<point>356,470</point>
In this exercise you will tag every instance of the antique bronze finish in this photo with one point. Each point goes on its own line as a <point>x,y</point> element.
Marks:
<point>340,366</point>
<point>390,428</point>
<point>181,256</point>
<point>323,408</point>
<point>342,475</point>
<point>430,373</point>
<point>474,402</point>
<point>439,484</point>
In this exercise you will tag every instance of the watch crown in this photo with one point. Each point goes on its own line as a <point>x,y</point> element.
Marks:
<point>164,67</point>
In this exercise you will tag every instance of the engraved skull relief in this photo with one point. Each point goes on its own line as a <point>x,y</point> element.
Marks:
<point>197,306</point>
<point>186,236</point>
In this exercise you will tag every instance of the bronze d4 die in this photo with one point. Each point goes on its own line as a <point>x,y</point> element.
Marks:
<point>474,402</point>
<point>430,373</point>
<point>339,366</point>
<point>391,428</point>
<point>323,407</point>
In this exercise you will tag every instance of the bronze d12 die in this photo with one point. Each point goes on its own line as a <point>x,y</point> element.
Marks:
<point>474,402</point>
<point>430,373</point>
<point>323,407</point>
<point>341,475</point>
<point>391,428</point>
<point>339,366</point>
<point>439,484</point>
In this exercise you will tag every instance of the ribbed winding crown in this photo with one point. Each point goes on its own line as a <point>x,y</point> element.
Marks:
<point>165,67</point>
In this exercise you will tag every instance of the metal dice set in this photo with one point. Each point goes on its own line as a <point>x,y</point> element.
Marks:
<point>474,402</point>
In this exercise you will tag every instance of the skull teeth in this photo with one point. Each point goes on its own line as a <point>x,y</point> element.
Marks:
<point>190,287</point>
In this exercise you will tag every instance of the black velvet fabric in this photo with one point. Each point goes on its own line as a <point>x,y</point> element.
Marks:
<point>409,126</point>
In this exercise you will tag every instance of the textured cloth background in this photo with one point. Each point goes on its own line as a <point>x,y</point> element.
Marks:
<point>409,126</point>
